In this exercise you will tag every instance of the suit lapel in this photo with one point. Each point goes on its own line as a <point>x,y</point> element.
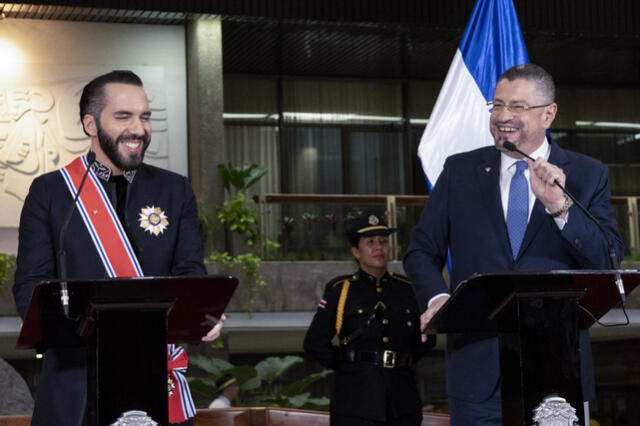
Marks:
<point>488,173</point>
<point>538,214</point>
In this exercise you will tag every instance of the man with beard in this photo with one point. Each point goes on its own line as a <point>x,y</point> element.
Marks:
<point>492,210</point>
<point>155,208</point>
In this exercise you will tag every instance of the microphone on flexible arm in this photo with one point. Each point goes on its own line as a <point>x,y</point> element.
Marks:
<point>510,146</point>
<point>62,255</point>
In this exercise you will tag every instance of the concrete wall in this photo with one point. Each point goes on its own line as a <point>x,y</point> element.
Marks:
<point>43,67</point>
<point>292,286</point>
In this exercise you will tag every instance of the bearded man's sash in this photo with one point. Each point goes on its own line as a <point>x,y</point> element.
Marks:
<point>119,260</point>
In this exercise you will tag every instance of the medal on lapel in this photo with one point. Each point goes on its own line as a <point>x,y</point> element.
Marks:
<point>153,220</point>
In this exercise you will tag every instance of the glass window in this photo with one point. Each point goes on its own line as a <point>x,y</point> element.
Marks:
<point>339,102</point>
<point>245,95</point>
<point>259,145</point>
<point>376,163</point>
<point>312,160</point>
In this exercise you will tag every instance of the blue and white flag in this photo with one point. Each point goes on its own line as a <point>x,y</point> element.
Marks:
<point>491,44</point>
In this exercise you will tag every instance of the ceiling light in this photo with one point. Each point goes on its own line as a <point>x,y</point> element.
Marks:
<point>610,124</point>
<point>12,60</point>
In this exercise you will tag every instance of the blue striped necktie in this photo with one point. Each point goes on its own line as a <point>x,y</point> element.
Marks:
<point>518,209</point>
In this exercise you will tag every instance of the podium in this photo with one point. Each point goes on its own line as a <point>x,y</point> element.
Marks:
<point>537,318</point>
<point>124,326</point>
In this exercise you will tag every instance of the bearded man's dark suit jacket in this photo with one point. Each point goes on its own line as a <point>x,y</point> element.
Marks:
<point>464,214</point>
<point>61,394</point>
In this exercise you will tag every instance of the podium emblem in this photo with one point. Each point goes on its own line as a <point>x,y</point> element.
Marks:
<point>555,411</point>
<point>134,418</point>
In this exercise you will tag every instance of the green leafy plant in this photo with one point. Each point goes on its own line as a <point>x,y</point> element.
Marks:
<point>261,385</point>
<point>250,265</point>
<point>240,178</point>
<point>239,216</point>
<point>7,262</point>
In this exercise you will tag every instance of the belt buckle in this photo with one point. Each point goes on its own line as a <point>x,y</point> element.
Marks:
<point>389,359</point>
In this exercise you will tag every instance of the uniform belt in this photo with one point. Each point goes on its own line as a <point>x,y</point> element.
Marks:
<point>386,359</point>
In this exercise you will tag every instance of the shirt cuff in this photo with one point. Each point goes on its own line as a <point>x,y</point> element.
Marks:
<point>560,223</point>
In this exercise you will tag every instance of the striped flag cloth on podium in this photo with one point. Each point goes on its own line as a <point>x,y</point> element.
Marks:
<point>492,42</point>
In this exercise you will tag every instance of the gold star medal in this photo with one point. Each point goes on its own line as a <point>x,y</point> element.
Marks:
<point>153,220</point>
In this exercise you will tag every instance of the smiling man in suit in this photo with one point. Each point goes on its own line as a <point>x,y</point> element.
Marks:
<point>154,213</point>
<point>495,211</point>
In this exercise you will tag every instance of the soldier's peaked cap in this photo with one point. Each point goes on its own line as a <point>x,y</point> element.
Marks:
<point>368,225</point>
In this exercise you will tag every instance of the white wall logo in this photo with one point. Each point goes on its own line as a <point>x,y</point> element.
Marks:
<point>40,132</point>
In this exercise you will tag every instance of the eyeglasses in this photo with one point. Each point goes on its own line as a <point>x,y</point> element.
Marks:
<point>497,107</point>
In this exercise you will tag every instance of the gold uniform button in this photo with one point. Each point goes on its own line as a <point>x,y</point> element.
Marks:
<point>408,310</point>
<point>409,323</point>
<point>385,321</point>
<point>385,339</point>
<point>379,290</point>
<point>360,311</point>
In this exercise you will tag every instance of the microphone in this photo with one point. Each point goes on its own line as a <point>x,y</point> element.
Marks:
<point>510,146</point>
<point>62,255</point>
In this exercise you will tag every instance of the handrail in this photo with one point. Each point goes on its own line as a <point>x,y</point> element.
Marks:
<point>340,198</point>
<point>364,198</point>
<point>392,200</point>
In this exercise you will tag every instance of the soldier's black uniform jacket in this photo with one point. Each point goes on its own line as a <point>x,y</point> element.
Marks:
<point>364,386</point>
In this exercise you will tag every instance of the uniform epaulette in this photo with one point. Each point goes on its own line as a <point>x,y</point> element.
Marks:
<point>400,277</point>
<point>339,280</point>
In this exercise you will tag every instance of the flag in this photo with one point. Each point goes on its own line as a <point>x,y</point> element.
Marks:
<point>492,43</point>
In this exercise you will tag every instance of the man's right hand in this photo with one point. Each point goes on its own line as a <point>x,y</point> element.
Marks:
<point>426,316</point>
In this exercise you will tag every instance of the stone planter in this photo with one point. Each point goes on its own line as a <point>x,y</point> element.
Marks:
<point>293,286</point>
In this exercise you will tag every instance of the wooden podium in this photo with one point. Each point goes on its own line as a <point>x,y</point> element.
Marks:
<point>125,325</point>
<point>537,318</point>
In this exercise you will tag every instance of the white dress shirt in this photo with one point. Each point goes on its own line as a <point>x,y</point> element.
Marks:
<point>508,169</point>
<point>220,402</point>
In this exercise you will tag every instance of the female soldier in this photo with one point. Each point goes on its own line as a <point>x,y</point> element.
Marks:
<point>374,314</point>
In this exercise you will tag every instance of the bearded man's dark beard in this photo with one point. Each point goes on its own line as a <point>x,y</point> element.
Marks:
<point>110,148</point>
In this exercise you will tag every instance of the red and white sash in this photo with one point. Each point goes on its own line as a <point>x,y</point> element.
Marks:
<point>119,260</point>
<point>181,406</point>
<point>102,222</point>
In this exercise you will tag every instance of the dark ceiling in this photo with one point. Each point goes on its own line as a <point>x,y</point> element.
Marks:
<point>587,17</point>
<point>578,41</point>
<point>261,46</point>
